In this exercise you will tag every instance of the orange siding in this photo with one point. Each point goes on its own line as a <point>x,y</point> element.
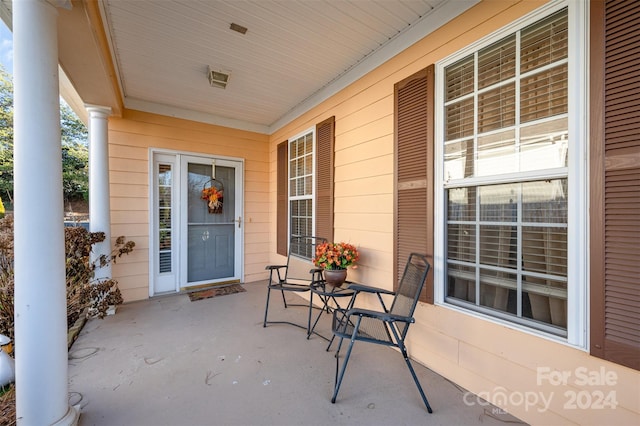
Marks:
<point>130,139</point>
<point>477,354</point>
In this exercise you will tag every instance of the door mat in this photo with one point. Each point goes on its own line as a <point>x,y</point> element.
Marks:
<point>218,291</point>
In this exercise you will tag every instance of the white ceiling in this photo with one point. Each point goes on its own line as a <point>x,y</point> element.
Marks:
<point>295,53</point>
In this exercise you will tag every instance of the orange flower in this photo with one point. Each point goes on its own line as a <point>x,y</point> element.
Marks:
<point>212,195</point>
<point>336,255</point>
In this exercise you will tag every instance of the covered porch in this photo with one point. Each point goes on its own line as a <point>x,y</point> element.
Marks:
<point>169,360</point>
<point>142,73</point>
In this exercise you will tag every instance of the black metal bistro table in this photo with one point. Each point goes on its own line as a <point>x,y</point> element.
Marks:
<point>328,294</point>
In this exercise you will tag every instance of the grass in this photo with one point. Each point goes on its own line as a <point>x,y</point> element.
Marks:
<point>8,405</point>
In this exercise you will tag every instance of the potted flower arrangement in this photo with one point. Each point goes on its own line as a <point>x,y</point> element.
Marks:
<point>334,259</point>
<point>213,197</point>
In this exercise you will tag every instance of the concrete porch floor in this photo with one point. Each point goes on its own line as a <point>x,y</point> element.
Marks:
<point>170,361</point>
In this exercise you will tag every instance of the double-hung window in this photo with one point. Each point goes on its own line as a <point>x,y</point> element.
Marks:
<point>305,185</point>
<point>504,116</point>
<point>301,176</point>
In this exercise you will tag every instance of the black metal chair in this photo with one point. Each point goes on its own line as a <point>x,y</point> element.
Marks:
<point>383,327</point>
<point>296,276</point>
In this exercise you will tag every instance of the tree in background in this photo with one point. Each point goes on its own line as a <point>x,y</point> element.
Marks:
<point>6,135</point>
<point>75,154</point>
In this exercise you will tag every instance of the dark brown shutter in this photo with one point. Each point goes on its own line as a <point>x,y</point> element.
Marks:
<point>615,181</point>
<point>282,210</point>
<point>325,135</point>
<point>414,172</point>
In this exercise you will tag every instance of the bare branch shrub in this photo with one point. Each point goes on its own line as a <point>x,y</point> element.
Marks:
<point>84,292</point>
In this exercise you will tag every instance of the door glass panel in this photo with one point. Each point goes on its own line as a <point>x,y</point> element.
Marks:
<point>165,182</point>
<point>211,236</point>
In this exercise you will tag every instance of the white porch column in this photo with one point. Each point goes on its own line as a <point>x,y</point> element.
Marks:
<point>40,289</point>
<point>99,208</point>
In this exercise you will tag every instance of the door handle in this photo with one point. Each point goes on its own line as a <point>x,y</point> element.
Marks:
<point>239,220</point>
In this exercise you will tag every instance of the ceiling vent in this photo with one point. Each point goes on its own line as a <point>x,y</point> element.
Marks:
<point>238,28</point>
<point>218,78</point>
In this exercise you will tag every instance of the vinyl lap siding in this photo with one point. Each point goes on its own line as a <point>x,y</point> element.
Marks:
<point>130,139</point>
<point>128,175</point>
<point>477,355</point>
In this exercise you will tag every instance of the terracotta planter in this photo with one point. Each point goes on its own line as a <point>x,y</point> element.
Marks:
<point>335,277</point>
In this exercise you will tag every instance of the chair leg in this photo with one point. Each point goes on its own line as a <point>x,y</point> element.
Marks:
<point>284,300</point>
<point>340,376</point>
<point>309,317</point>
<point>266,308</point>
<point>337,356</point>
<point>413,374</point>
<point>330,343</point>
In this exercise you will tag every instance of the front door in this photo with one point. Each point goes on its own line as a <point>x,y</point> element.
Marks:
<point>203,237</point>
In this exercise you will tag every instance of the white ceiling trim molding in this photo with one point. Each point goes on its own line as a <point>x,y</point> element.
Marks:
<point>111,52</point>
<point>427,24</point>
<point>6,13</point>
<point>71,97</point>
<point>63,4</point>
<point>155,108</point>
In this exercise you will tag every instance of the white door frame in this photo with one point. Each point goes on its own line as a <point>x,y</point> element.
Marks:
<point>179,224</point>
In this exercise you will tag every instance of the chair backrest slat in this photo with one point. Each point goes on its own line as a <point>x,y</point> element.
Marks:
<point>411,284</point>
<point>302,249</point>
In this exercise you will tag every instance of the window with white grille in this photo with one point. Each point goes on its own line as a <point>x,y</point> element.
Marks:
<point>301,186</point>
<point>504,158</point>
